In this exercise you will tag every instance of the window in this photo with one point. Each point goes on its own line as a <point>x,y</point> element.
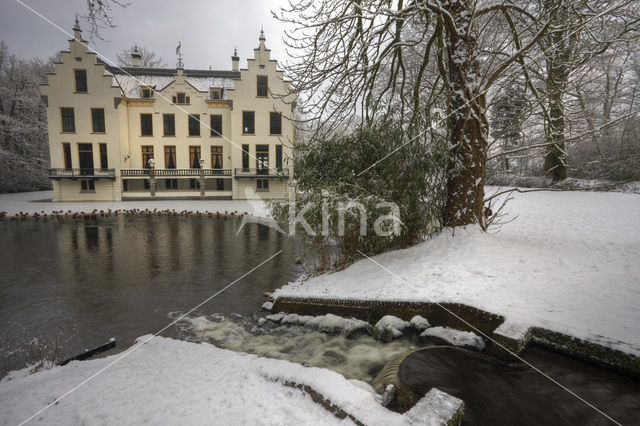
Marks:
<point>219,184</point>
<point>216,157</point>
<point>216,94</point>
<point>245,157</point>
<point>146,124</point>
<point>68,120</point>
<point>171,183</point>
<point>279,157</point>
<point>125,185</point>
<point>181,98</point>
<point>146,92</point>
<point>87,185</point>
<point>262,184</point>
<point>262,159</point>
<point>194,157</point>
<point>194,124</point>
<point>104,161</point>
<point>169,124</point>
<point>216,125</point>
<point>248,122</point>
<point>85,158</point>
<point>147,154</point>
<point>262,86</point>
<point>81,81</point>
<point>66,150</point>
<point>194,183</point>
<point>169,157</point>
<point>97,120</point>
<point>275,123</point>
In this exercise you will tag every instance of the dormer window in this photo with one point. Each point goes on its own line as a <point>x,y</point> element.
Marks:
<point>216,94</point>
<point>146,92</point>
<point>181,98</point>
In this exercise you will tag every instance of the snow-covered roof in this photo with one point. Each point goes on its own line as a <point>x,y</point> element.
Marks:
<point>203,84</point>
<point>130,85</point>
<point>130,79</point>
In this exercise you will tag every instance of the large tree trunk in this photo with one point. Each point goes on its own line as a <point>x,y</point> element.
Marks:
<point>467,127</point>
<point>558,55</point>
<point>555,157</point>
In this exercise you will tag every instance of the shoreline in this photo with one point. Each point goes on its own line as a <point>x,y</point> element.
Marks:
<point>491,324</point>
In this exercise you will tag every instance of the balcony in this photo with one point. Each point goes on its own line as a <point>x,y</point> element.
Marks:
<point>83,173</point>
<point>281,173</point>
<point>159,173</point>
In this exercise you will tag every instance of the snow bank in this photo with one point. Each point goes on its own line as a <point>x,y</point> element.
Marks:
<point>40,201</point>
<point>455,337</point>
<point>328,323</point>
<point>169,381</point>
<point>568,263</point>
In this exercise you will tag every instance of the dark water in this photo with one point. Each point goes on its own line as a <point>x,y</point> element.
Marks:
<point>497,394</point>
<point>124,276</point>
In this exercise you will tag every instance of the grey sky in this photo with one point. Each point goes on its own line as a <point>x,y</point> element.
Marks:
<point>208,30</point>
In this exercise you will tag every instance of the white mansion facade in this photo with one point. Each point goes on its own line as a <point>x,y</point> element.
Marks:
<point>151,133</point>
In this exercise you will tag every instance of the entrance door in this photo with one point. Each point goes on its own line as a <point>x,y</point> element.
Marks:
<point>85,157</point>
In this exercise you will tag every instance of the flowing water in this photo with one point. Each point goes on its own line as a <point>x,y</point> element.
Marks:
<point>124,277</point>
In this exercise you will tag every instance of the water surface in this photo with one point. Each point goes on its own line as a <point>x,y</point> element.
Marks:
<point>122,276</point>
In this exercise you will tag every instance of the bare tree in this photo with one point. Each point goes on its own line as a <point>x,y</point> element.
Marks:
<point>24,149</point>
<point>148,59</point>
<point>99,15</point>
<point>351,58</point>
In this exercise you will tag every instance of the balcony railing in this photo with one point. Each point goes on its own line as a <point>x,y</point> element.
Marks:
<point>262,172</point>
<point>174,172</point>
<point>82,173</point>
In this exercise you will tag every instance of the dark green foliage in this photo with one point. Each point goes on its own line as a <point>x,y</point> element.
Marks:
<point>329,175</point>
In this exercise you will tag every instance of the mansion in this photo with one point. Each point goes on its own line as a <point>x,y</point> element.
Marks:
<point>153,133</point>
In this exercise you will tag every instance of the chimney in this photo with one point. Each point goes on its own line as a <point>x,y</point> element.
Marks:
<point>136,57</point>
<point>235,60</point>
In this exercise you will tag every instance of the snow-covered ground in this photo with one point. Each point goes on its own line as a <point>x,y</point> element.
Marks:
<point>169,381</point>
<point>570,262</point>
<point>40,201</point>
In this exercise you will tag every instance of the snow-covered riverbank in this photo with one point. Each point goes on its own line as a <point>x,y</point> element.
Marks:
<point>37,202</point>
<point>568,263</point>
<point>168,381</point>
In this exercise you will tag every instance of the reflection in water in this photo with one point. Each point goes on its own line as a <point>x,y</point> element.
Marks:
<point>120,276</point>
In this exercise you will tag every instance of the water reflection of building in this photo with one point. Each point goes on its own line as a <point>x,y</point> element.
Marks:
<point>151,133</point>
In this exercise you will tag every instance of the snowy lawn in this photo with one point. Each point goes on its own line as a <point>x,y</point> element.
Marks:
<point>37,202</point>
<point>570,262</point>
<point>169,381</point>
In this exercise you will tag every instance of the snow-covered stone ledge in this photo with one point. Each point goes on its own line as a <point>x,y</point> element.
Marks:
<point>512,337</point>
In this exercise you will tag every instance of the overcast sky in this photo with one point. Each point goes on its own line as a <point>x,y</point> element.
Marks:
<point>208,30</point>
